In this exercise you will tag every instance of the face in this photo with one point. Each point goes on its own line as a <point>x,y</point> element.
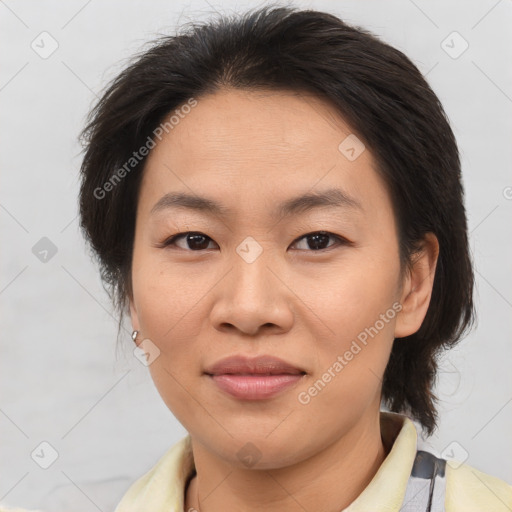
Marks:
<point>256,279</point>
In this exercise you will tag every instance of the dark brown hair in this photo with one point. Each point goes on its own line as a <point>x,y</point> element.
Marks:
<point>374,87</point>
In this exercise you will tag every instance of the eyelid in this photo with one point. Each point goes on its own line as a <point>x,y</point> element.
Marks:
<point>167,242</point>
<point>340,240</point>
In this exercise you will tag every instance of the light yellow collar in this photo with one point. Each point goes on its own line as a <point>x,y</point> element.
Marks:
<point>386,490</point>
<point>162,489</point>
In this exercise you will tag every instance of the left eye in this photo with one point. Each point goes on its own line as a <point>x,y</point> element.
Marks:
<point>319,239</point>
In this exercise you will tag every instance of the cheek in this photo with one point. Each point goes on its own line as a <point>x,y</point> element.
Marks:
<point>358,293</point>
<point>167,303</point>
<point>360,311</point>
<point>178,390</point>
<point>168,309</point>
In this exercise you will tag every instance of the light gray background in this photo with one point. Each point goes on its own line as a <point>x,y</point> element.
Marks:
<point>61,381</point>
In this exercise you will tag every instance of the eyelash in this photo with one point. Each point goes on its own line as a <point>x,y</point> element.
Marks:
<point>340,240</point>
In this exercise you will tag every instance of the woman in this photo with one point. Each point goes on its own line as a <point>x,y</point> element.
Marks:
<point>276,200</point>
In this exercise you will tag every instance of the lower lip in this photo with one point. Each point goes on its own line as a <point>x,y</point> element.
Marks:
<point>255,387</point>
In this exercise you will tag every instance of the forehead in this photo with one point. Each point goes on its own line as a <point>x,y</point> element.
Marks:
<point>272,126</point>
<point>250,148</point>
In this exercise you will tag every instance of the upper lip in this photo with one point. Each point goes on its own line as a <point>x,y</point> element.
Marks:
<point>243,365</point>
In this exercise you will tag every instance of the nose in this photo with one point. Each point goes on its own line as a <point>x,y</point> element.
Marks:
<point>253,297</point>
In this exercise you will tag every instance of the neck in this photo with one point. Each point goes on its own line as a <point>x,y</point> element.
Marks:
<point>330,480</point>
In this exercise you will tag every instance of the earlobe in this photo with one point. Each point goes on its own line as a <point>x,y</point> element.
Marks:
<point>417,289</point>
<point>133,315</point>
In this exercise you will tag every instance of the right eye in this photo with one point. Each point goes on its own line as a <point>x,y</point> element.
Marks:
<point>194,240</point>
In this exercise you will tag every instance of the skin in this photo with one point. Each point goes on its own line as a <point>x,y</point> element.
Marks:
<point>251,150</point>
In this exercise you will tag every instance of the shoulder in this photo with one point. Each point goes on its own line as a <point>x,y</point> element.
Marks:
<point>162,487</point>
<point>470,490</point>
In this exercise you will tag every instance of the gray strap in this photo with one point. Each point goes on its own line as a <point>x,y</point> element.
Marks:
<point>426,487</point>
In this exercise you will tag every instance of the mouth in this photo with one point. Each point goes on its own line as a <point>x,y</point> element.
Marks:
<point>255,386</point>
<point>260,365</point>
<point>256,378</point>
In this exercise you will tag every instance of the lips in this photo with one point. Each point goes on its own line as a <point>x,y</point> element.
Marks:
<point>261,365</point>
<point>257,378</point>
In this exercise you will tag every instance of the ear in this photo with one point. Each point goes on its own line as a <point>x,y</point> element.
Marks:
<point>417,288</point>
<point>133,315</point>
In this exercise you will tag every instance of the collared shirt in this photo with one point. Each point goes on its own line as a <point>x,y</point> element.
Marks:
<point>162,489</point>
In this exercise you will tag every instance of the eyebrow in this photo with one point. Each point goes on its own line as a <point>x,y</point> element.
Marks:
<point>330,198</point>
